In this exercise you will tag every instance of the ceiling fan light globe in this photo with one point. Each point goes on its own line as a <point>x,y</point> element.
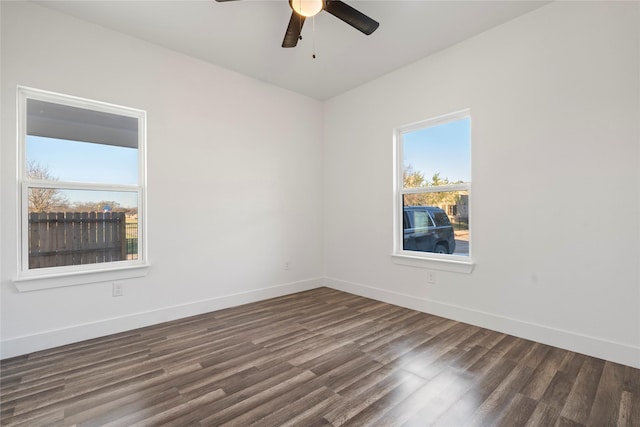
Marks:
<point>307,8</point>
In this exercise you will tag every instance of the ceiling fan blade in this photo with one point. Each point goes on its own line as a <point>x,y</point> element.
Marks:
<point>293,30</point>
<point>221,1</point>
<point>351,16</point>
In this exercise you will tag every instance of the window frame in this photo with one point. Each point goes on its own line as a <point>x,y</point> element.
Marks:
<point>430,260</point>
<point>50,277</point>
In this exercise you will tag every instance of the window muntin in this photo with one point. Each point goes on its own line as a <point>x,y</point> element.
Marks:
<point>82,173</point>
<point>433,175</point>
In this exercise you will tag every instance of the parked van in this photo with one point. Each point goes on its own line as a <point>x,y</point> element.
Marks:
<point>427,229</point>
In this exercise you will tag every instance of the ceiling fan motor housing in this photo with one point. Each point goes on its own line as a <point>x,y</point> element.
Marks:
<point>307,8</point>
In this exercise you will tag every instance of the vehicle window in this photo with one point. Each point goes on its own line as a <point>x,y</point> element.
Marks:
<point>441,219</point>
<point>421,220</point>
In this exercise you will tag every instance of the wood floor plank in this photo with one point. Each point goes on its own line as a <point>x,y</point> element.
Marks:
<point>399,346</point>
<point>634,410</point>
<point>543,415</point>
<point>488,391</point>
<point>430,401</point>
<point>332,359</point>
<point>544,374</point>
<point>605,409</point>
<point>309,411</point>
<point>175,414</point>
<point>37,418</point>
<point>470,393</point>
<point>345,375</point>
<point>483,338</point>
<point>120,409</point>
<point>270,412</point>
<point>499,403</point>
<point>349,409</point>
<point>316,358</point>
<point>558,390</point>
<point>625,411</point>
<point>290,339</point>
<point>224,413</point>
<point>372,378</point>
<point>378,408</point>
<point>390,331</point>
<point>583,392</point>
<point>517,412</point>
<point>572,364</point>
<point>65,398</point>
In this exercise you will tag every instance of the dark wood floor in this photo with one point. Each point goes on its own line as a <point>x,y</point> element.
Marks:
<point>316,358</point>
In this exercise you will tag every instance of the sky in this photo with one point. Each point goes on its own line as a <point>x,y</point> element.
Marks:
<point>443,148</point>
<point>88,163</point>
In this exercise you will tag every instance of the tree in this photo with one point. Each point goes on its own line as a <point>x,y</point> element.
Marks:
<point>415,179</point>
<point>412,179</point>
<point>110,205</point>
<point>44,199</point>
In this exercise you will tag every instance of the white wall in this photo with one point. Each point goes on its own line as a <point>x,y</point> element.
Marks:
<point>555,105</point>
<point>233,180</point>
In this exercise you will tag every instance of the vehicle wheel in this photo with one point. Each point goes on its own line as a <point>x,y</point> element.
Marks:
<point>440,249</point>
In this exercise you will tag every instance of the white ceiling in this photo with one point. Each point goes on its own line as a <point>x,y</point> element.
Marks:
<point>245,36</point>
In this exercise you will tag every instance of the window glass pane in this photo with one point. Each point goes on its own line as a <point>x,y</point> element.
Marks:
<point>75,161</point>
<point>82,178</point>
<point>437,155</point>
<point>448,210</point>
<point>75,227</point>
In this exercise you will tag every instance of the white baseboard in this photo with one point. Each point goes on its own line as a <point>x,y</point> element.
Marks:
<point>608,350</point>
<point>592,346</point>
<point>53,338</point>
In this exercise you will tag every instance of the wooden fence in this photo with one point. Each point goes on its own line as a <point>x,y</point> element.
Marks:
<point>74,238</point>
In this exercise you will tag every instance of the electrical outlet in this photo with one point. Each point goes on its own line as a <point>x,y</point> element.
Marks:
<point>287,265</point>
<point>431,277</point>
<point>116,289</point>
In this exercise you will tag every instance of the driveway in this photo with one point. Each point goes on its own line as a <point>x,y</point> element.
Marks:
<point>462,243</point>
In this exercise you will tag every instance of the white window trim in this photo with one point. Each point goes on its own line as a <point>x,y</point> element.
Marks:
<point>444,262</point>
<point>54,277</point>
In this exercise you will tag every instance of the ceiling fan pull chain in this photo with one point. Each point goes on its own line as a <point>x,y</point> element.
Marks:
<point>300,21</point>
<point>313,22</point>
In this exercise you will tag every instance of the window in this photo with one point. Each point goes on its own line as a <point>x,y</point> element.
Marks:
<point>82,183</point>
<point>432,190</point>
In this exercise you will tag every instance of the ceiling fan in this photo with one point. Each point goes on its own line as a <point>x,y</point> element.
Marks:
<point>302,9</point>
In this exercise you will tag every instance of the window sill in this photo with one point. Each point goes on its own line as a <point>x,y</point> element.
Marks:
<point>443,264</point>
<point>36,283</point>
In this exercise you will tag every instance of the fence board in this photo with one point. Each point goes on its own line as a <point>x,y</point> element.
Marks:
<point>48,238</point>
<point>93,238</point>
<point>34,240</point>
<point>61,241</point>
<point>76,236</point>
<point>100,233</point>
<point>108,234</point>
